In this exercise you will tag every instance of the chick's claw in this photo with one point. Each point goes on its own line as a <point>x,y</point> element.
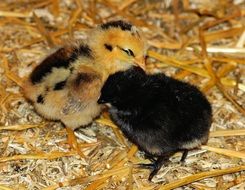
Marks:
<point>146,166</point>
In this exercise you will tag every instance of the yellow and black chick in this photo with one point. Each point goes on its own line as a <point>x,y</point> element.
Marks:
<point>159,114</point>
<point>66,85</point>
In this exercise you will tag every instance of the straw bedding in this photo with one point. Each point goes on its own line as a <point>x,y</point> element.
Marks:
<point>201,42</point>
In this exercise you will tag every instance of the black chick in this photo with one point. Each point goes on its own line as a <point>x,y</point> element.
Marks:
<point>159,114</point>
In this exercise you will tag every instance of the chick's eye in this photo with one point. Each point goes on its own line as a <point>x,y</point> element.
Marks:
<point>129,52</point>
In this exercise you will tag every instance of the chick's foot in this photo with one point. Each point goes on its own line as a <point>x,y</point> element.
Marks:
<point>72,141</point>
<point>158,164</point>
<point>155,166</point>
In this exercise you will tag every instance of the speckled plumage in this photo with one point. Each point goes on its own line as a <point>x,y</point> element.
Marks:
<point>66,85</point>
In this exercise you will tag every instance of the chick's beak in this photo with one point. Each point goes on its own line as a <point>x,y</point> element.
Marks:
<point>140,62</point>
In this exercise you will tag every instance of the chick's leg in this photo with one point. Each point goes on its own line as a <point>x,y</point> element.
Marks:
<point>184,155</point>
<point>72,141</point>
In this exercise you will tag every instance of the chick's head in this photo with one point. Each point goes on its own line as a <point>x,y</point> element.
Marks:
<point>123,88</point>
<point>118,45</point>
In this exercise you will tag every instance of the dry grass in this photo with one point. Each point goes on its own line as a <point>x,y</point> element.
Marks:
<point>202,42</point>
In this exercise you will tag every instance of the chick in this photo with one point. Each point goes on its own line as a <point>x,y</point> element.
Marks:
<point>159,114</point>
<point>66,85</point>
